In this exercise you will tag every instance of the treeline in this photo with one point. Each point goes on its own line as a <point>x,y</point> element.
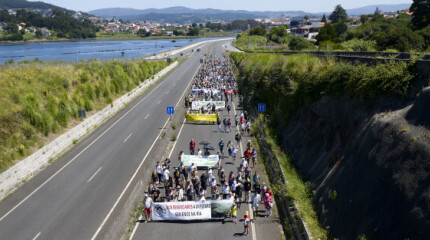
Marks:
<point>62,23</point>
<point>287,82</point>
<point>38,100</point>
<point>277,38</point>
<point>376,33</point>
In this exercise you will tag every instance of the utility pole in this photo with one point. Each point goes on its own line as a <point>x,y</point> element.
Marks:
<point>249,28</point>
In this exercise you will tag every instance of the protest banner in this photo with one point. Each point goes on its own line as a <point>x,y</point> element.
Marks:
<point>200,161</point>
<point>181,210</point>
<point>199,117</point>
<point>197,105</point>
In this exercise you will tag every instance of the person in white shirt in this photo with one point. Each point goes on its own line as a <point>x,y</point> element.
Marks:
<point>166,175</point>
<point>148,204</point>
<point>159,170</point>
<point>225,191</point>
<point>256,198</point>
<point>244,163</point>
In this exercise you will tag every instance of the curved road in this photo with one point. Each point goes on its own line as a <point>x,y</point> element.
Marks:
<point>75,195</point>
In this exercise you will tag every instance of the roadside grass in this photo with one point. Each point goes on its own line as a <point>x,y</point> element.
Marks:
<point>298,191</point>
<point>40,101</point>
<point>135,215</point>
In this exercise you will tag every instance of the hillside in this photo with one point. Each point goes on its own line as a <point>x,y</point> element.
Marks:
<point>359,136</point>
<point>25,4</point>
<point>184,14</point>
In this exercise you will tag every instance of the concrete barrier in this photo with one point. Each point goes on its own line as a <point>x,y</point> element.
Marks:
<point>30,166</point>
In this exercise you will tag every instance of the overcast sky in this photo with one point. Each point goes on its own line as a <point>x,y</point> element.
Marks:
<point>251,5</point>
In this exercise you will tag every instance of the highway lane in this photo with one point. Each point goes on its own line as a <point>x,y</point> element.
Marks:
<point>72,197</point>
<point>214,229</point>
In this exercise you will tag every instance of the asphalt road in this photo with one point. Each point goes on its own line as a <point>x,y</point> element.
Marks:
<point>264,228</point>
<point>73,196</point>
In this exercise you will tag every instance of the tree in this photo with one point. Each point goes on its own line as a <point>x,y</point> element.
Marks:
<point>377,15</point>
<point>324,19</point>
<point>338,15</point>
<point>11,27</point>
<point>39,34</point>
<point>421,13</point>
<point>299,43</point>
<point>306,17</point>
<point>259,31</point>
<point>294,23</point>
<point>194,25</point>
<point>277,34</point>
<point>363,19</point>
<point>193,32</point>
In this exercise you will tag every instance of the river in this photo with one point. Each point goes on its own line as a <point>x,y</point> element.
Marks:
<point>77,50</point>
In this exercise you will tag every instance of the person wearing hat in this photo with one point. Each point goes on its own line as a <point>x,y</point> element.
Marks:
<point>148,204</point>
<point>246,221</point>
<point>268,203</point>
<point>234,213</point>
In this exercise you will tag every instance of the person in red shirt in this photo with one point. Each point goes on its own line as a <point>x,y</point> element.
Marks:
<point>247,154</point>
<point>192,146</point>
<point>246,222</point>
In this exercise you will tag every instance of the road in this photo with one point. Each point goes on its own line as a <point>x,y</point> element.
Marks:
<point>74,196</point>
<point>263,228</point>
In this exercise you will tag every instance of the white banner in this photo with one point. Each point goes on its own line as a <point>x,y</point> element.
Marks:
<point>200,161</point>
<point>181,210</point>
<point>196,105</point>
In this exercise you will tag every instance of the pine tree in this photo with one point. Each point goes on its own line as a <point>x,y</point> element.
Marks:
<point>421,13</point>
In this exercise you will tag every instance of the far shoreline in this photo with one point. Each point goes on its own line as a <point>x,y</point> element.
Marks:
<point>113,38</point>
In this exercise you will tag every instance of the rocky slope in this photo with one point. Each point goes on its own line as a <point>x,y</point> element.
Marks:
<point>369,163</point>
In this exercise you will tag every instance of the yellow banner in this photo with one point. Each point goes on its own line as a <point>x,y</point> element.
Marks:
<point>196,117</point>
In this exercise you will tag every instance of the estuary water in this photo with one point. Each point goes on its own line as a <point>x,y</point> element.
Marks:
<point>77,50</point>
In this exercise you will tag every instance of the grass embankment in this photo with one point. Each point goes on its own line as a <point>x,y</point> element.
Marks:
<point>286,83</point>
<point>39,101</point>
<point>298,192</point>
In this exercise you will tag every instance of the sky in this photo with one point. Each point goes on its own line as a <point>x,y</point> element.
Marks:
<point>250,5</point>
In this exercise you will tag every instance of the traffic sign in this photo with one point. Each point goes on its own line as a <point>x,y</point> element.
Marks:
<point>261,107</point>
<point>170,110</point>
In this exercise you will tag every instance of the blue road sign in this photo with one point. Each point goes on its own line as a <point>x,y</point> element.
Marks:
<point>170,110</point>
<point>261,107</point>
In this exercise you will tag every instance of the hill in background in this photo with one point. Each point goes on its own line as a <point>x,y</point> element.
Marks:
<point>187,15</point>
<point>26,4</point>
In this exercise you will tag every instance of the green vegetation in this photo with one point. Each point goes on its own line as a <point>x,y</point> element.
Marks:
<point>287,82</point>
<point>378,33</point>
<point>298,192</point>
<point>60,24</point>
<point>38,100</point>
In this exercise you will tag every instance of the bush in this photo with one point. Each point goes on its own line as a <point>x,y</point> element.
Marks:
<point>299,43</point>
<point>291,81</point>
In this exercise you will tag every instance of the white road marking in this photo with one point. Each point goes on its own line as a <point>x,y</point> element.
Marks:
<point>137,170</point>
<point>73,159</point>
<point>147,116</point>
<point>125,140</point>
<point>137,225</point>
<point>167,92</point>
<point>91,178</point>
<point>251,213</point>
<point>37,236</point>
<point>159,102</point>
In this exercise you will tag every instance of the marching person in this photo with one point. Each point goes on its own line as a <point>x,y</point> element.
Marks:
<point>246,221</point>
<point>192,146</point>
<point>256,198</point>
<point>148,204</point>
<point>268,203</point>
